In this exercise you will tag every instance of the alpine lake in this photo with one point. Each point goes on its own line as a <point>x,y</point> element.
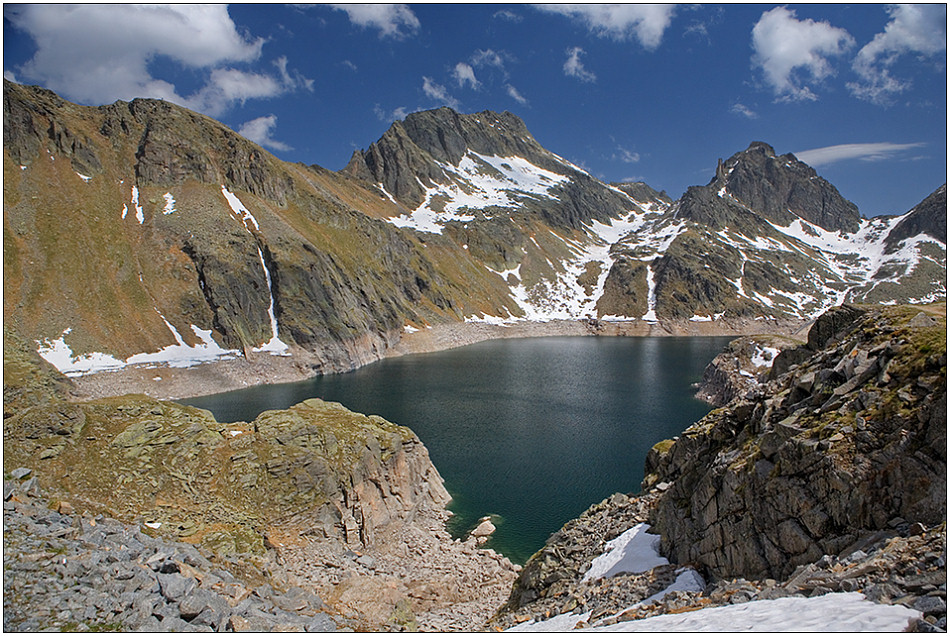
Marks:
<point>531,431</point>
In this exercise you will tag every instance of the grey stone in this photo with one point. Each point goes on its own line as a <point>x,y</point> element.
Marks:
<point>20,473</point>
<point>930,605</point>
<point>321,623</point>
<point>174,586</point>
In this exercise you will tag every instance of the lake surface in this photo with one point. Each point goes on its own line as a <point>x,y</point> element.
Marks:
<point>533,431</point>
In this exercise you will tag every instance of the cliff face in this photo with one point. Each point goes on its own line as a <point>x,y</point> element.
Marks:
<point>314,469</point>
<point>850,440</point>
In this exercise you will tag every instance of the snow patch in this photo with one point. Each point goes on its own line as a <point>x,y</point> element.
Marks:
<point>764,356</point>
<point>241,213</point>
<point>83,177</point>
<point>698,318</point>
<point>836,612</point>
<point>633,551</point>
<point>169,203</point>
<point>478,182</point>
<point>650,316</point>
<point>178,355</point>
<point>139,215</point>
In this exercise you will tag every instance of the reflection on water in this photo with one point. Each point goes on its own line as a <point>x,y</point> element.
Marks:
<point>532,430</point>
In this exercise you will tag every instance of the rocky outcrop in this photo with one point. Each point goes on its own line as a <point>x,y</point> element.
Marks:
<point>315,468</point>
<point>741,369</point>
<point>851,439</point>
<point>828,478</point>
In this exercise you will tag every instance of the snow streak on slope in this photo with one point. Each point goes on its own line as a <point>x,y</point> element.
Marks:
<point>562,296</point>
<point>478,182</point>
<point>240,212</point>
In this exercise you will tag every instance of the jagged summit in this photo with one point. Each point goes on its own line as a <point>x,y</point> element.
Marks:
<point>781,188</point>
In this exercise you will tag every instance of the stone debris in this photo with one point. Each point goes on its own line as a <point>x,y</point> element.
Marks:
<point>92,573</point>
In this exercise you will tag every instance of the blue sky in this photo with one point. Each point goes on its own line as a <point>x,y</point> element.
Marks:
<point>630,92</point>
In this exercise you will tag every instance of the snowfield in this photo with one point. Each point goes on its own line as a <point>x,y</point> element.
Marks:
<point>636,551</point>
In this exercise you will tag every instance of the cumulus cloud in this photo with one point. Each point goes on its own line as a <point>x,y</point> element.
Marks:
<point>260,131</point>
<point>645,23</point>
<point>465,73</point>
<point>515,95</point>
<point>392,20</point>
<point>786,48</point>
<point>741,109</point>
<point>865,152</point>
<point>918,28</point>
<point>438,93</point>
<point>573,67</point>
<point>100,53</point>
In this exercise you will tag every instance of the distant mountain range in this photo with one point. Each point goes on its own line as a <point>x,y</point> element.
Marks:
<point>143,232</point>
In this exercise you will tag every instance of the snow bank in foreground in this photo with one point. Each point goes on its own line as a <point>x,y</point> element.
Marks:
<point>841,612</point>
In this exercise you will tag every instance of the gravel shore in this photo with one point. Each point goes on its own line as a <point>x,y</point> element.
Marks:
<point>163,382</point>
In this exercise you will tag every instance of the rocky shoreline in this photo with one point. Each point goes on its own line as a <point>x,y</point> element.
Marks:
<point>168,383</point>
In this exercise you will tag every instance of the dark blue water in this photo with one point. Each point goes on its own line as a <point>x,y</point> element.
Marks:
<point>533,431</point>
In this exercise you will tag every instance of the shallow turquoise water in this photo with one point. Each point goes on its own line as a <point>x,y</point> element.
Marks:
<point>533,431</point>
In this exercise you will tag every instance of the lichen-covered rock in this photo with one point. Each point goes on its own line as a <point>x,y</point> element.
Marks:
<point>315,468</point>
<point>849,440</point>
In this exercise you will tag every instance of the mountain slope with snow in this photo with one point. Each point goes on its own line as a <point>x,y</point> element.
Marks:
<point>145,232</point>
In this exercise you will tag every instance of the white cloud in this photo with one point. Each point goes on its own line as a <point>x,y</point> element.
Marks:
<point>573,67</point>
<point>626,156</point>
<point>292,79</point>
<point>392,20</point>
<point>515,95</point>
<point>865,152</point>
<point>396,114</point>
<point>741,109</point>
<point>465,73</point>
<point>489,57</point>
<point>438,93</point>
<point>100,53</point>
<point>506,14</point>
<point>785,48</point>
<point>260,130</point>
<point>644,22</point>
<point>919,28</point>
<point>8,75</point>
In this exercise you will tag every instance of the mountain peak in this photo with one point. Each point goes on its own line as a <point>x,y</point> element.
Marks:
<point>782,188</point>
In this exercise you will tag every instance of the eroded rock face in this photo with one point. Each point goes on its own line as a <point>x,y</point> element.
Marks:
<point>848,440</point>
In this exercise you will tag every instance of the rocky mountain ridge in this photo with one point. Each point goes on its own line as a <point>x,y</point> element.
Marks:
<point>142,234</point>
